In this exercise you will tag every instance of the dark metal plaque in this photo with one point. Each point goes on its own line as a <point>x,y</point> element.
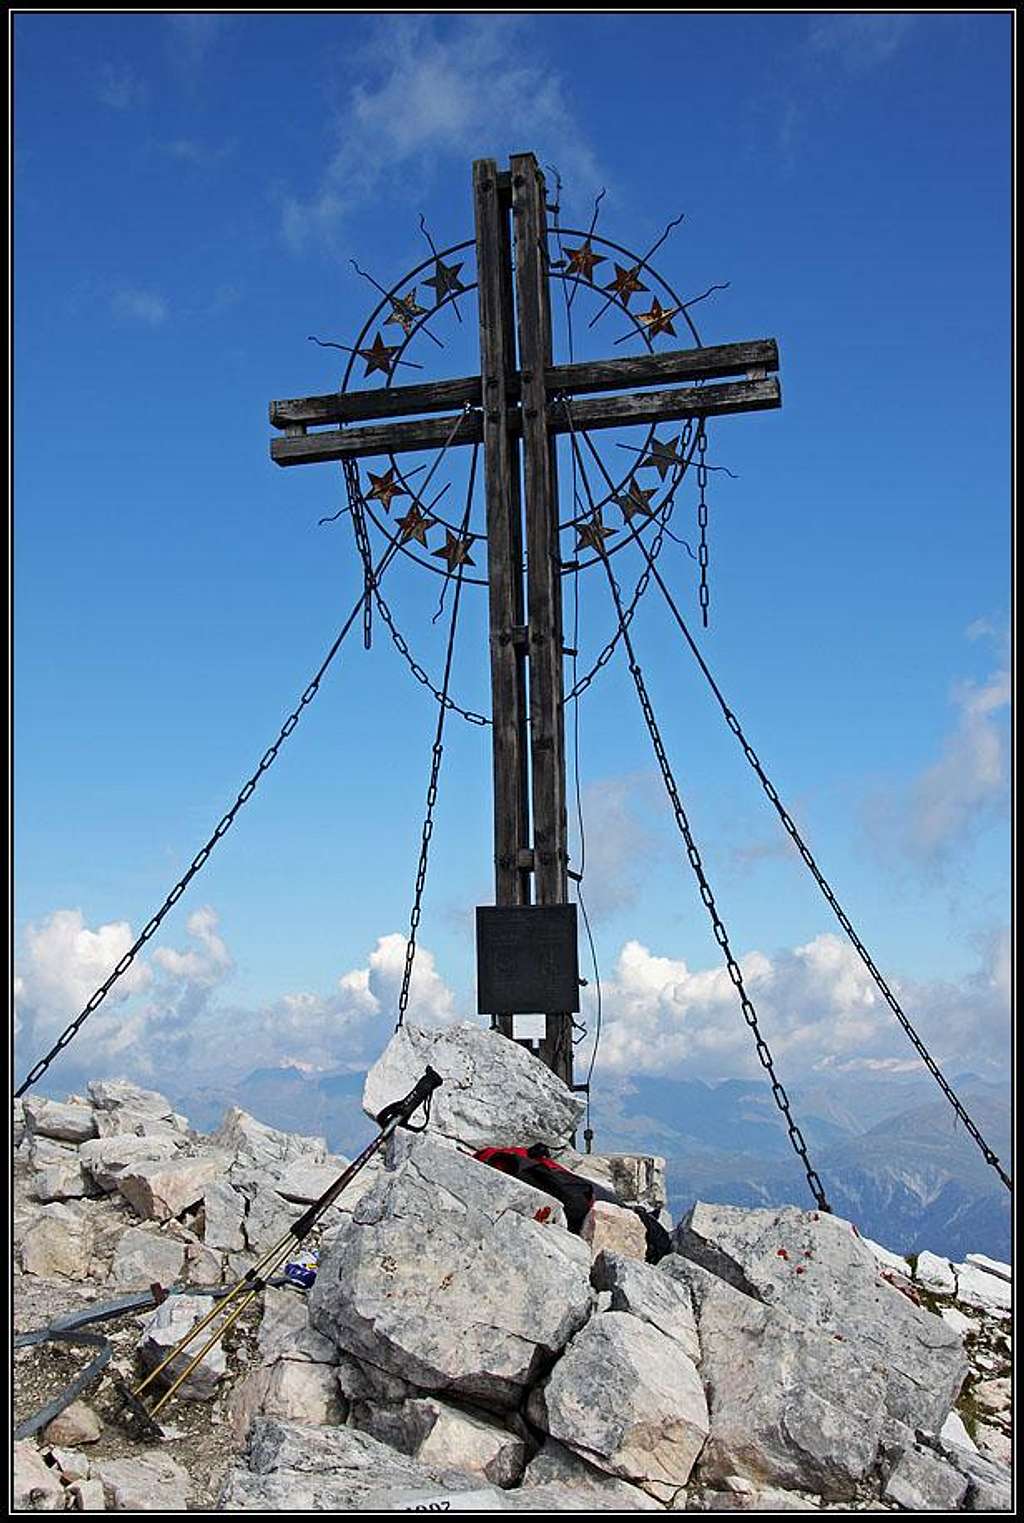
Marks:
<point>526,959</point>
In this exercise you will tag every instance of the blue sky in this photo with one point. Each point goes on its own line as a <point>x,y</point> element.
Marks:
<point>189,192</point>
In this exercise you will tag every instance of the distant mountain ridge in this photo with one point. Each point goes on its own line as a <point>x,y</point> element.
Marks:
<point>889,1150</point>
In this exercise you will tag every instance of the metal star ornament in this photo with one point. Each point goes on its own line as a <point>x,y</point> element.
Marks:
<point>626,283</point>
<point>635,500</point>
<point>384,488</point>
<point>379,356</point>
<point>404,311</point>
<point>445,280</point>
<point>658,319</point>
<point>415,525</point>
<point>663,456</point>
<point>456,550</point>
<point>592,534</point>
<point>583,260</point>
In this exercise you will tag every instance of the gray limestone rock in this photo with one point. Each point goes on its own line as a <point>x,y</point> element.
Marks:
<point>144,1483</point>
<point>58,1242</point>
<point>439,1433</point>
<point>555,1465</point>
<point>636,1178</point>
<point>166,1327</point>
<point>989,1292</point>
<point>119,1094</point>
<point>494,1091</point>
<point>260,1155</point>
<point>294,1469</point>
<point>922,1482</point>
<point>142,1258</point>
<point>935,1273</point>
<point>65,1122</point>
<point>444,1279</point>
<point>58,1173</point>
<point>161,1190</point>
<point>106,1158</point>
<point>77,1424</point>
<point>790,1405</point>
<point>645,1292</point>
<point>224,1212</point>
<point>627,1399</point>
<point>35,1486</point>
<point>816,1268</point>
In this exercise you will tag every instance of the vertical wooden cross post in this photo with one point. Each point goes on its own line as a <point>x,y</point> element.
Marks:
<point>517,421</point>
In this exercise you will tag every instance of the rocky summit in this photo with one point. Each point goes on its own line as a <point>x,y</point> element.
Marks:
<point>460,1349</point>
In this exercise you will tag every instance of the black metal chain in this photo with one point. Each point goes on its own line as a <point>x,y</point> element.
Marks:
<point>826,888</point>
<point>355,503</point>
<point>437,752</point>
<point>355,498</point>
<point>721,935</point>
<point>702,521</point>
<point>199,860</point>
<point>579,687</point>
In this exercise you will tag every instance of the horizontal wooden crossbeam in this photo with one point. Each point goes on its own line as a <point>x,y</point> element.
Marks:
<point>593,375</point>
<point>588,413</point>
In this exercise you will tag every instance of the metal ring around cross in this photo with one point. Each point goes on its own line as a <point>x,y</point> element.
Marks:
<point>398,305</point>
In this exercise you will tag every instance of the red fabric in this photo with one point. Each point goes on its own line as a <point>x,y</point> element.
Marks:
<point>495,1156</point>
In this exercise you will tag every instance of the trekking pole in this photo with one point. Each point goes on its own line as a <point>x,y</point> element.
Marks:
<point>255,1279</point>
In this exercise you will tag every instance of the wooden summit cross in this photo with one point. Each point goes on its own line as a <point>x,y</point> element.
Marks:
<point>516,419</point>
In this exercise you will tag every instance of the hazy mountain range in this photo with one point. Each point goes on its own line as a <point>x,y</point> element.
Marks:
<point>891,1154</point>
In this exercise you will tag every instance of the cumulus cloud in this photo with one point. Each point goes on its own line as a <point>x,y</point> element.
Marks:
<point>618,843</point>
<point>440,89</point>
<point>817,1006</point>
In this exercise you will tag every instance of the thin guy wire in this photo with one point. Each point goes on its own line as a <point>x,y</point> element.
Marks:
<point>435,770</point>
<point>721,935</point>
<point>37,1071</point>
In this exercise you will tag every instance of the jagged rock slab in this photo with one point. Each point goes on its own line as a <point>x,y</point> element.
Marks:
<point>494,1091</point>
<point>444,1279</point>
<point>285,1331</point>
<point>992,1266</point>
<point>556,1466</point>
<point>77,1424</point>
<point>106,1158</point>
<point>166,1327</point>
<point>164,1189</point>
<point>976,1287</point>
<point>35,1487</point>
<point>58,1242</point>
<point>644,1292</point>
<point>120,1094</point>
<point>64,1122</point>
<point>638,1178</point>
<point>144,1258</point>
<point>935,1273</point>
<point>145,1483</point>
<point>223,1215</point>
<point>58,1173</point>
<point>260,1154</point>
<point>293,1469</point>
<point>990,1485</point>
<point>923,1482</point>
<point>628,1400</point>
<point>87,1496</point>
<point>438,1433</point>
<point>611,1227</point>
<point>293,1389</point>
<point>790,1405</point>
<point>816,1268</point>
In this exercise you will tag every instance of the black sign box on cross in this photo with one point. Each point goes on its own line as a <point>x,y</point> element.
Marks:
<point>526,959</point>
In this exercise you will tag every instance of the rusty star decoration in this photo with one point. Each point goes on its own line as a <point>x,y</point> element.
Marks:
<point>583,260</point>
<point>626,283</point>
<point>445,280</point>
<point>662,455</point>
<point>385,487</point>
<point>415,525</point>
<point>635,500</point>
<point>456,550</point>
<point>592,534</point>
<point>658,319</point>
<point>404,311</point>
<point>379,356</point>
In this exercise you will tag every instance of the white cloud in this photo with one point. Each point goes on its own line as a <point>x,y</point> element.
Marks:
<point>817,1007</point>
<point>860,41</point>
<point>208,962</point>
<point>440,89</point>
<point>619,846</point>
<point>939,812</point>
<point>139,306</point>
